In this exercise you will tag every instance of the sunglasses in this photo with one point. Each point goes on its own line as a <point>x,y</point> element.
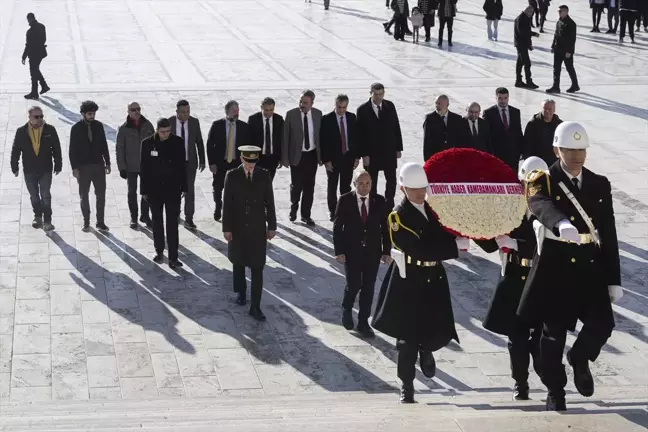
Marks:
<point>135,109</point>
<point>38,117</point>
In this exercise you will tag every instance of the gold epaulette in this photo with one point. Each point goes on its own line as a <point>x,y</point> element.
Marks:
<point>535,181</point>
<point>395,225</point>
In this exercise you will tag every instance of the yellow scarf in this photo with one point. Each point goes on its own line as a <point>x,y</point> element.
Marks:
<point>35,137</point>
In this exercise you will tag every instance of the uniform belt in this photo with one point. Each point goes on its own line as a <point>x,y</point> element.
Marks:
<point>584,238</point>
<point>522,262</point>
<point>421,263</point>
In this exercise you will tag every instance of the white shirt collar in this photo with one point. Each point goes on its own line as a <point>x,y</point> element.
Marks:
<point>570,176</point>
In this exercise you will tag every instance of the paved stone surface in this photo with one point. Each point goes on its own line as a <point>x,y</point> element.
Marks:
<point>90,316</point>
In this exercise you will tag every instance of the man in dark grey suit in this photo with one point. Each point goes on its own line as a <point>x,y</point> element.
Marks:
<point>476,131</point>
<point>188,128</point>
<point>301,151</point>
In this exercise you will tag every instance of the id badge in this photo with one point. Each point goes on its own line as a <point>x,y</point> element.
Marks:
<point>154,153</point>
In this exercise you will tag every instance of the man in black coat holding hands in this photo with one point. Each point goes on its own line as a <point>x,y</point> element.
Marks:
<point>507,140</point>
<point>576,270</point>
<point>523,44</point>
<point>163,184</point>
<point>442,129</point>
<point>339,150</point>
<point>380,141</point>
<point>266,132</point>
<point>249,221</point>
<point>36,50</point>
<point>563,46</point>
<point>361,240</point>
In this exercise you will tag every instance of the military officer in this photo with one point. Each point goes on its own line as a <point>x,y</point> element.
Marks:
<point>516,251</point>
<point>414,305</point>
<point>249,221</point>
<point>576,270</point>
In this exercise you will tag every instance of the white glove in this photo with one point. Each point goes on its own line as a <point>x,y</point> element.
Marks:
<point>506,243</point>
<point>615,292</point>
<point>568,232</point>
<point>463,243</point>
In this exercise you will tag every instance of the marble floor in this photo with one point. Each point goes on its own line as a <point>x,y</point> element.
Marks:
<point>89,316</point>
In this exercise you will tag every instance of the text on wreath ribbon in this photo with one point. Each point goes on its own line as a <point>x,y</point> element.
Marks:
<point>476,189</point>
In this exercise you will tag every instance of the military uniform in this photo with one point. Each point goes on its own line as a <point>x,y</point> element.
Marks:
<point>248,214</point>
<point>571,280</point>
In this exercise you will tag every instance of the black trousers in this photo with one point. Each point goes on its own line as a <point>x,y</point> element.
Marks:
<point>428,22</point>
<point>36,75</point>
<point>408,352</point>
<point>190,196</point>
<point>302,184</point>
<point>543,16</point>
<point>443,21</point>
<point>240,285</point>
<point>361,272</point>
<point>132,198</point>
<point>523,61</point>
<point>168,204</point>
<point>390,187</point>
<point>342,174</point>
<point>94,174</point>
<point>524,342</point>
<point>597,11</point>
<point>270,163</point>
<point>613,13</point>
<point>559,58</point>
<point>400,22</point>
<point>628,17</point>
<point>218,181</point>
<point>39,185</point>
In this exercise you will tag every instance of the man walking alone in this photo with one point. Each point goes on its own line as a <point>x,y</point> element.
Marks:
<point>36,50</point>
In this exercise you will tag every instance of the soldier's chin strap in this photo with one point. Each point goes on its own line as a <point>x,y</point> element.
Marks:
<point>582,213</point>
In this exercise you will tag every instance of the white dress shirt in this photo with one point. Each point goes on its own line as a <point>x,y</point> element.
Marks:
<point>179,127</point>
<point>267,125</point>
<point>470,125</point>
<point>570,177</point>
<point>421,208</point>
<point>311,131</point>
<point>360,203</point>
<point>375,108</point>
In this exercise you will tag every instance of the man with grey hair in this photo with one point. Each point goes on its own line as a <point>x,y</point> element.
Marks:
<point>523,44</point>
<point>442,129</point>
<point>225,137</point>
<point>539,133</point>
<point>476,134</point>
<point>361,240</point>
<point>128,145</point>
<point>301,152</point>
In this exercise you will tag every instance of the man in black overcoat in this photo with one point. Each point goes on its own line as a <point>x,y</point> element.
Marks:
<point>380,141</point>
<point>523,44</point>
<point>163,183</point>
<point>249,221</point>
<point>442,129</point>
<point>563,47</point>
<point>361,240</point>
<point>339,150</point>
<point>576,271</point>
<point>414,304</point>
<point>504,122</point>
<point>266,132</point>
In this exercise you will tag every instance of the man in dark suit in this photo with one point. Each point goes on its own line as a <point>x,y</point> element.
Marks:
<point>442,129</point>
<point>163,183</point>
<point>36,50</point>
<point>361,240</point>
<point>380,141</point>
<point>188,128</point>
<point>301,151</point>
<point>506,129</point>
<point>339,149</point>
<point>249,221</point>
<point>266,132</point>
<point>447,12</point>
<point>225,137</point>
<point>476,134</point>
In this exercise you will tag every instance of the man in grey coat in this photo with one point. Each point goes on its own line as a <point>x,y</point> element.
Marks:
<point>130,135</point>
<point>188,128</point>
<point>300,149</point>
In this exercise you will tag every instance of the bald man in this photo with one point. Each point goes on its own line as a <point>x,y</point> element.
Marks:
<point>442,129</point>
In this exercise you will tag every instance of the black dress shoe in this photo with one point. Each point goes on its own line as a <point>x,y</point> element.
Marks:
<point>189,224</point>
<point>175,264</point>
<point>521,391</point>
<point>292,217</point>
<point>531,85</point>
<point>582,376</point>
<point>449,43</point>
<point>347,319</point>
<point>407,395</point>
<point>553,90</point>
<point>241,299</point>
<point>85,227</point>
<point>308,221</point>
<point>45,89</point>
<point>133,224</point>
<point>427,363</point>
<point>158,258</point>
<point>37,223</point>
<point>102,226</point>
<point>147,221</point>
<point>331,216</point>
<point>556,403</point>
<point>573,89</point>
<point>218,214</point>
<point>257,314</point>
<point>520,84</point>
<point>31,96</point>
<point>365,330</point>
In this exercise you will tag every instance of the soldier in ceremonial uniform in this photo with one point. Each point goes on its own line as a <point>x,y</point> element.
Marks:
<point>516,251</point>
<point>576,270</point>
<point>249,221</point>
<point>414,305</point>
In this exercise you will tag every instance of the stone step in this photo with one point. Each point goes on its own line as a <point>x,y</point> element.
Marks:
<point>621,409</point>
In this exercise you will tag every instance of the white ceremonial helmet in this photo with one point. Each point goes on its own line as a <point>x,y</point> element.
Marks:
<point>571,135</point>
<point>531,163</point>
<point>412,175</point>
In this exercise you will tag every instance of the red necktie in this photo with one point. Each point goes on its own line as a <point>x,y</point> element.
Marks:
<point>363,210</point>
<point>504,118</point>
<point>343,136</point>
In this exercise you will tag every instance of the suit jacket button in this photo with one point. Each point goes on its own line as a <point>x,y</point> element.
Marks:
<point>573,260</point>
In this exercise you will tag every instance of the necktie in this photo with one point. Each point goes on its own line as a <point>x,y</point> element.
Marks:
<point>182,130</point>
<point>575,181</point>
<point>267,138</point>
<point>249,177</point>
<point>505,119</point>
<point>343,136</point>
<point>363,210</point>
<point>306,133</point>
<point>445,120</point>
<point>379,111</point>
<point>474,129</point>
<point>230,143</point>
